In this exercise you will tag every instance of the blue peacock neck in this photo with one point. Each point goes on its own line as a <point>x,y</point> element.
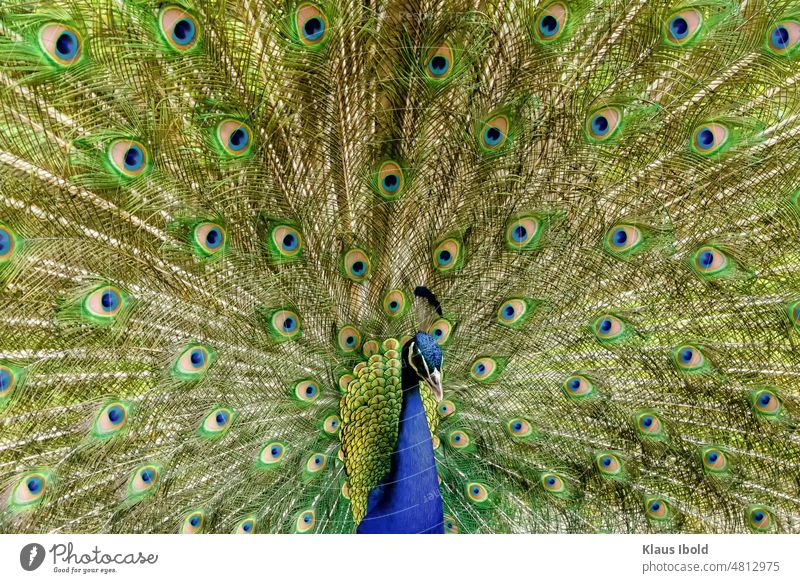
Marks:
<point>408,500</point>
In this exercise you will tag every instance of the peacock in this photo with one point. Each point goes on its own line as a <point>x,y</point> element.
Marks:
<point>399,266</point>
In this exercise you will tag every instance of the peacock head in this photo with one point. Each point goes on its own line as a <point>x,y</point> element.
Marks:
<point>423,355</point>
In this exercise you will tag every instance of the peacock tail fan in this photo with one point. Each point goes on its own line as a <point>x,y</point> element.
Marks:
<point>214,215</point>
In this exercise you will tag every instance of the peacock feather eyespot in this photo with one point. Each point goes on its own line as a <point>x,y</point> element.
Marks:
<point>623,240</point>
<point>286,242</point>
<point>143,480</point>
<point>446,408</point>
<point>766,403</point>
<point>682,27</point>
<point>603,124</point>
<point>128,158</point>
<point>759,518</point>
<point>523,233</point>
<point>193,362</point>
<point>494,132</point>
<point>111,420</point>
<point>284,324</point>
<point>311,24</point>
<point>649,426</point>
<point>272,454</point>
<point>610,329</point>
<point>349,339</point>
<point>10,378</point>
<point>103,304</point>
<point>209,238</point>
<point>513,312</point>
<point>439,64</point>
<point>234,137</point>
<point>305,521</point>
<point>8,243</point>
<point>551,22</point>
<point>689,358</point>
<point>178,28</point>
<point>657,508</point>
<point>783,37</point>
<point>306,390</point>
<point>344,382</point>
<point>356,265</point>
<point>477,493</point>
<point>608,464</point>
<point>578,387</point>
<point>30,490</point>
<point>519,427</point>
<point>441,331</point>
<point>553,483</point>
<point>332,424</point>
<point>710,263</point>
<point>62,44</point>
<point>395,303</point>
<point>484,369</point>
<point>458,439</point>
<point>710,138</point>
<point>447,255</point>
<point>315,463</point>
<point>714,460</point>
<point>246,526</point>
<point>450,525</point>
<point>217,422</point>
<point>194,522</point>
<point>390,180</point>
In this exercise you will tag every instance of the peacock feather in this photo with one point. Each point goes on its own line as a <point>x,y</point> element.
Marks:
<point>399,266</point>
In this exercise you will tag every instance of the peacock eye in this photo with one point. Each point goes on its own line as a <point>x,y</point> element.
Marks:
<point>477,492</point>
<point>578,386</point>
<point>766,402</point>
<point>331,424</point>
<point>519,427</point>
<point>494,132</point>
<point>512,313</point>
<point>103,304</point>
<point>8,243</point>
<point>209,238</point>
<point>441,330</point>
<point>689,358</point>
<point>193,362</point>
<point>217,422</point>
<point>523,233</point>
<point>287,242</point>
<point>709,138</point>
<point>450,526</point>
<point>193,523</point>
<point>234,137</point>
<point>447,255</point>
<point>305,521</point>
<point>272,453</point>
<point>484,369</point>
<point>623,240</point>
<point>29,490</point>
<point>439,63</point>
<point>783,37</point>
<point>179,28</point>
<point>551,21</point>
<point>683,26</point>
<point>709,261</point>
<point>143,480</point>
<point>62,44</point>
<point>759,518</point>
<point>390,179</point>
<point>395,303</point>
<point>285,324</point>
<point>349,339</point>
<point>609,328</point>
<point>111,420</point>
<point>608,464</point>
<point>312,25</point>
<point>553,483</point>
<point>604,123</point>
<point>246,526</point>
<point>714,460</point>
<point>656,508</point>
<point>306,391</point>
<point>356,265</point>
<point>128,158</point>
<point>446,408</point>
<point>315,463</point>
<point>9,379</point>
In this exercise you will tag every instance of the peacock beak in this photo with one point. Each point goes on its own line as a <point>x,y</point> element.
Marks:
<point>434,381</point>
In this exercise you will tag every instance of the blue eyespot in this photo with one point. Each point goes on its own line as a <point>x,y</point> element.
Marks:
<point>115,414</point>
<point>359,267</point>
<point>605,325</point>
<point>239,139</point>
<point>214,238</point>
<point>34,485</point>
<point>221,418</point>
<point>600,125</point>
<point>445,257</point>
<point>289,324</point>
<point>686,355</point>
<point>481,368</point>
<point>606,460</point>
<point>620,237</point>
<point>519,233</point>
<point>194,521</point>
<point>705,139</point>
<point>197,358</point>
<point>67,45</point>
<point>391,182</point>
<point>508,312</point>
<point>438,65</point>
<point>780,37</point>
<point>247,527</point>
<point>311,390</point>
<point>110,300</point>
<point>313,28</point>
<point>492,136</point>
<point>147,475</point>
<point>678,27</point>
<point>134,158</point>
<point>548,25</point>
<point>183,32</point>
